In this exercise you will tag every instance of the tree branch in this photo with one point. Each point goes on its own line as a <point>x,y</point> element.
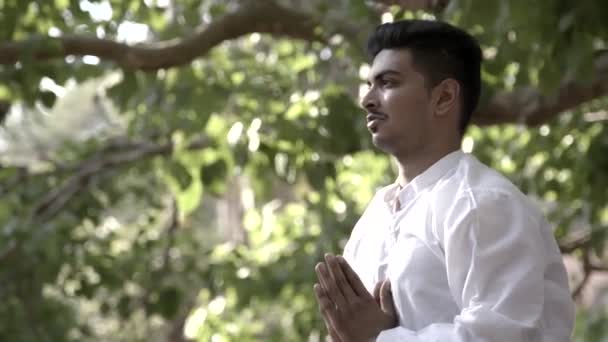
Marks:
<point>529,106</point>
<point>254,16</point>
<point>57,198</point>
<point>264,16</point>
<point>105,159</point>
<point>412,5</point>
<point>172,227</point>
<point>526,105</point>
<point>598,268</point>
<point>586,274</point>
<point>572,244</point>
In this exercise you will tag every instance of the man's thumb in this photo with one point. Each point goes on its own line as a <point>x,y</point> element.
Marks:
<point>386,298</point>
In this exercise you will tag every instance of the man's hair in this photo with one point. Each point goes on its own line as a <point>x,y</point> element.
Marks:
<point>439,51</point>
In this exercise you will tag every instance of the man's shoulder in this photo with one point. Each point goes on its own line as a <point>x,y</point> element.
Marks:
<point>474,183</point>
<point>471,177</point>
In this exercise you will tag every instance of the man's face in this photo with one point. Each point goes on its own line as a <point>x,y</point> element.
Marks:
<point>399,113</point>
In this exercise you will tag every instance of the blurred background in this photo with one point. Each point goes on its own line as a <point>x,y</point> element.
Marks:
<point>171,170</point>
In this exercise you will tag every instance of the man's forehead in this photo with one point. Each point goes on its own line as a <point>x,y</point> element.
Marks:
<point>398,60</point>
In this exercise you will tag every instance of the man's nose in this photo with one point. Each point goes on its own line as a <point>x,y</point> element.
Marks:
<point>369,100</point>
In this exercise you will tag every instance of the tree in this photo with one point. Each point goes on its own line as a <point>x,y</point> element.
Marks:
<point>249,107</point>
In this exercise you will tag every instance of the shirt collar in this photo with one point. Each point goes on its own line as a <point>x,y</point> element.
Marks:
<point>426,179</point>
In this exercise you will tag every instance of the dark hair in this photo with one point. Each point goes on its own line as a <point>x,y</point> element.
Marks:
<point>439,51</point>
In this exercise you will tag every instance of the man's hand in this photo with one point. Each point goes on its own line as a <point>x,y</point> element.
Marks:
<point>350,312</point>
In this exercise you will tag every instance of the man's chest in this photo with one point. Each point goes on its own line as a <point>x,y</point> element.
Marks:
<point>398,246</point>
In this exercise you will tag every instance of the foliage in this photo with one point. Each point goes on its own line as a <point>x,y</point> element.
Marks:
<point>118,235</point>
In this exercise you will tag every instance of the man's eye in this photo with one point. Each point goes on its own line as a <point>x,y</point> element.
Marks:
<point>385,82</point>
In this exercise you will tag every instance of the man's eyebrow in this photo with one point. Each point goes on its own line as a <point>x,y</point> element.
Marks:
<point>386,72</point>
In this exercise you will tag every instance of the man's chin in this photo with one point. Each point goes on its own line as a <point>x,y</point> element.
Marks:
<point>381,142</point>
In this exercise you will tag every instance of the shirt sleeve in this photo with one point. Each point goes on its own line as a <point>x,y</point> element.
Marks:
<point>495,259</point>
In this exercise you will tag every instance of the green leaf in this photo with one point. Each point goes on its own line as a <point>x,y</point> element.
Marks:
<point>179,173</point>
<point>169,302</point>
<point>48,98</point>
<point>214,176</point>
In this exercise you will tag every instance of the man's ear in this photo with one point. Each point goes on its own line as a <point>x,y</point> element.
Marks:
<point>446,97</point>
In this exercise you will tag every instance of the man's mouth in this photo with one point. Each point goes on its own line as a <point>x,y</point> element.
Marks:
<point>374,120</point>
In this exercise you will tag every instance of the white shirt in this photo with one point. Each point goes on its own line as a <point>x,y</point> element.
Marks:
<point>469,257</point>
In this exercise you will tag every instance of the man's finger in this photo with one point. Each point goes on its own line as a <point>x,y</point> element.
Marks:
<point>327,308</point>
<point>325,305</point>
<point>322,281</point>
<point>354,280</point>
<point>334,335</point>
<point>386,299</point>
<point>377,291</point>
<point>335,270</point>
<point>329,285</point>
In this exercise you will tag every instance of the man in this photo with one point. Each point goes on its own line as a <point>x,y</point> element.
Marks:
<point>452,251</point>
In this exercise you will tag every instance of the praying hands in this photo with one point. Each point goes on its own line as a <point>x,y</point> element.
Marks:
<point>350,312</point>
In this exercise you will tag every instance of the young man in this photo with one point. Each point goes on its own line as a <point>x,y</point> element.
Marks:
<point>452,251</point>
